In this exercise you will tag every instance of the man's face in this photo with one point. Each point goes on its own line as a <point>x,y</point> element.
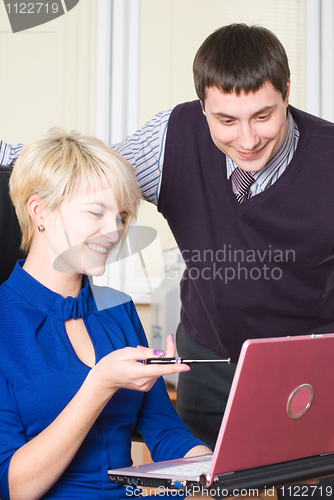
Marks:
<point>247,127</point>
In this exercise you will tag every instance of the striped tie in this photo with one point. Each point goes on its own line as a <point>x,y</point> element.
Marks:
<point>241,182</point>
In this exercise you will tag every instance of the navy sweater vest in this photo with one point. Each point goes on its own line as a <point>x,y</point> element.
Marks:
<point>256,269</point>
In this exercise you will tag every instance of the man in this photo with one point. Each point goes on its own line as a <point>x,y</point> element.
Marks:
<point>245,182</point>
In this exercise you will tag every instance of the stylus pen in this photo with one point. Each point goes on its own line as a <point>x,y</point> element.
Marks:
<point>172,361</point>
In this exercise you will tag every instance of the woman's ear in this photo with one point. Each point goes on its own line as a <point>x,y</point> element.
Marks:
<point>36,210</point>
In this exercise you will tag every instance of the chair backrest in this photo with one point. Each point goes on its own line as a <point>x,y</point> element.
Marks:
<point>10,235</point>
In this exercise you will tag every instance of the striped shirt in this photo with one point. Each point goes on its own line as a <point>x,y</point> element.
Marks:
<point>9,153</point>
<point>145,151</point>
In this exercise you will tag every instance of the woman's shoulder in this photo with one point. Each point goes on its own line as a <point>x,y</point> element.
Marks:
<point>8,297</point>
<point>106,298</point>
<point>119,307</point>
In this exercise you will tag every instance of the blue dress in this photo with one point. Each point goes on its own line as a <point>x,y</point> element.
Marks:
<point>40,373</point>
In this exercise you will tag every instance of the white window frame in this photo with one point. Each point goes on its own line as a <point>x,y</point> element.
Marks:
<point>117,110</point>
<point>319,58</point>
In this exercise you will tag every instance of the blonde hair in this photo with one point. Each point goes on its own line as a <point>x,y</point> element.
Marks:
<point>55,165</point>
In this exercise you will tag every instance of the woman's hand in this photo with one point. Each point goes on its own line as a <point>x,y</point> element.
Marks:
<point>123,368</point>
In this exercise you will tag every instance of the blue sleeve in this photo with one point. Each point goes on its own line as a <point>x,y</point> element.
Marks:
<point>164,433</point>
<point>11,432</point>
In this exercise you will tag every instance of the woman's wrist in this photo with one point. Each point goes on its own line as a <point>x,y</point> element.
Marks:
<point>96,384</point>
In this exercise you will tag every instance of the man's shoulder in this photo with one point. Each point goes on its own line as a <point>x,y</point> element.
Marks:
<point>188,108</point>
<point>312,124</point>
<point>188,117</point>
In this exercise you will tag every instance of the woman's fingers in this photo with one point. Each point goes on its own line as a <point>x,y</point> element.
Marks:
<point>124,367</point>
<point>170,347</point>
<point>163,369</point>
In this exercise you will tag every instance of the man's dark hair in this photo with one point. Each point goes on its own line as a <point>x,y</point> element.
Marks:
<point>238,58</point>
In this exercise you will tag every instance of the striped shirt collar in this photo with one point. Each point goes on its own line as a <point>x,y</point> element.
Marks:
<point>277,164</point>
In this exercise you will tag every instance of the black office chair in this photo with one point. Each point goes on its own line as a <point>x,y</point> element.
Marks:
<point>10,234</point>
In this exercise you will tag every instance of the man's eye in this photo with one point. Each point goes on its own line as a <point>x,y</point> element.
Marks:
<point>227,122</point>
<point>264,117</point>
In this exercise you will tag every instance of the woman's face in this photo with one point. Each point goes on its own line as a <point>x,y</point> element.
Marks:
<point>83,231</point>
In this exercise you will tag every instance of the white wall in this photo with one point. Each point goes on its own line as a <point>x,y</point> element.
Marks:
<point>173,30</point>
<point>47,75</point>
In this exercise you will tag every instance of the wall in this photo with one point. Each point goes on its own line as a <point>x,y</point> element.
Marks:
<point>172,31</point>
<point>47,75</point>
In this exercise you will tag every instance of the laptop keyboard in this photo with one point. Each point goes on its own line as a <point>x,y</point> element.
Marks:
<point>196,466</point>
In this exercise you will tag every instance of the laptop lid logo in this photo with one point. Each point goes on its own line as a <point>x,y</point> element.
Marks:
<point>300,401</point>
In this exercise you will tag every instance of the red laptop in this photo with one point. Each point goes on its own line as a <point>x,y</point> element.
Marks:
<point>278,426</point>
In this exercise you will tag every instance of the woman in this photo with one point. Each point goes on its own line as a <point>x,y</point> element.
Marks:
<point>72,387</point>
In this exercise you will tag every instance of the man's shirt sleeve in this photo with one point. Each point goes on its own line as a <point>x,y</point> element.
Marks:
<point>9,153</point>
<point>145,151</point>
